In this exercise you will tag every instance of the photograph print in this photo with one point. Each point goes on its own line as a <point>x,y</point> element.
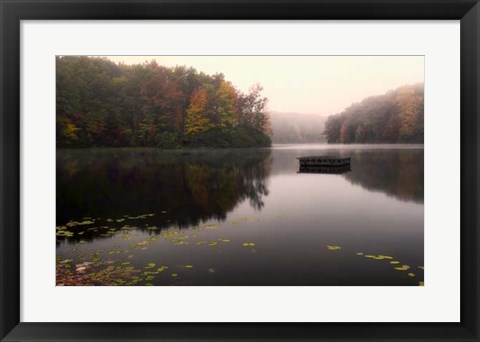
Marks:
<point>239,170</point>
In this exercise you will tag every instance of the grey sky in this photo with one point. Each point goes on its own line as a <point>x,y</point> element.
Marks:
<point>305,84</point>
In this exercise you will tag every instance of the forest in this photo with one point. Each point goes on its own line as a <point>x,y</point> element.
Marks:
<point>101,103</point>
<point>395,117</point>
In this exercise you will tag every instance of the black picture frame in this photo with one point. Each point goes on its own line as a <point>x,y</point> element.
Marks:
<point>13,11</point>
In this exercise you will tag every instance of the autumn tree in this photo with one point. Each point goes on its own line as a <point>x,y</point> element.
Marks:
<point>100,103</point>
<point>410,105</point>
<point>196,119</point>
<point>395,117</point>
<point>227,104</point>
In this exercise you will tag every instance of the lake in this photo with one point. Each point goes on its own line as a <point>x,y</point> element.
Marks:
<point>145,216</point>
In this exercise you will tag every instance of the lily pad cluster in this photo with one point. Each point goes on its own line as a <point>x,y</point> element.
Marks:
<point>388,258</point>
<point>95,273</point>
<point>116,265</point>
<point>95,227</point>
<point>62,231</point>
<point>395,263</point>
<point>240,220</point>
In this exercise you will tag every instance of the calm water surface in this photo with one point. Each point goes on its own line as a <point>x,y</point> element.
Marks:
<point>241,217</point>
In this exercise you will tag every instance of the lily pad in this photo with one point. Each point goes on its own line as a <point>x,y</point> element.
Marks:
<point>248,244</point>
<point>212,226</point>
<point>64,233</point>
<point>403,268</point>
<point>179,243</point>
<point>334,248</point>
<point>378,257</point>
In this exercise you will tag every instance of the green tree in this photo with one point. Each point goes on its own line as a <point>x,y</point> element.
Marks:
<point>227,104</point>
<point>252,110</point>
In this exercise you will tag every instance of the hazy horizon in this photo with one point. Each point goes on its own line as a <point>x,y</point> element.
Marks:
<point>321,85</point>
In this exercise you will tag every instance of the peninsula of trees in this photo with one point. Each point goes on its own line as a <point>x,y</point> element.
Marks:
<point>395,117</point>
<point>101,103</point>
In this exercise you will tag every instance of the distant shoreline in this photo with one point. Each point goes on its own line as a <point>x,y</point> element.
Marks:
<point>273,146</point>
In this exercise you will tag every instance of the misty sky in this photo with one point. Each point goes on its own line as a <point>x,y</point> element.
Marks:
<point>305,84</point>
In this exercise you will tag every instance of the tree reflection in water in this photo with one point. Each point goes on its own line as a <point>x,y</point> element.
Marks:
<point>185,188</point>
<point>182,188</point>
<point>397,173</point>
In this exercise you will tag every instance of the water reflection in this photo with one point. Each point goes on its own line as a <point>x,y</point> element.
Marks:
<point>239,217</point>
<point>185,187</point>
<point>397,173</point>
<point>190,187</point>
<point>325,169</point>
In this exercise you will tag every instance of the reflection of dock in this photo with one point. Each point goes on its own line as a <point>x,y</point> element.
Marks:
<point>324,164</point>
<point>314,169</point>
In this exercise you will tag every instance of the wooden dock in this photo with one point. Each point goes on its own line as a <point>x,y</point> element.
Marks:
<point>324,164</point>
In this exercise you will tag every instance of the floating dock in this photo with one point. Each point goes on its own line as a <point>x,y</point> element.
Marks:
<point>324,164</point>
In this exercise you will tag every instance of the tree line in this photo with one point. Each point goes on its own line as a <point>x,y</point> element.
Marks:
<point>395,117</point>
<point>101,103</point>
